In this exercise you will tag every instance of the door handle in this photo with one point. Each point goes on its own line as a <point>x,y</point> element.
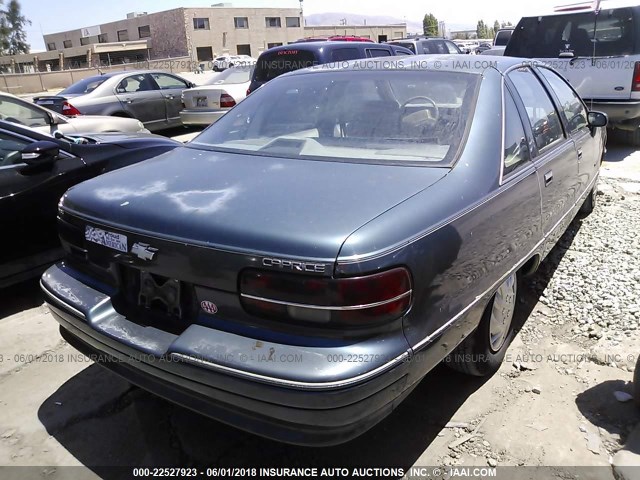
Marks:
<point>548,178</point>
<point>170,97</point>
<point>580,154</point>
<point>128,100</point>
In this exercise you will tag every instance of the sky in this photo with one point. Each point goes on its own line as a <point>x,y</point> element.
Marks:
<point>48,17</point>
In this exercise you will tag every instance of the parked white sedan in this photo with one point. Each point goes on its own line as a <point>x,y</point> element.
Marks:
<point>230,61</point>
<point>206,104</point>
<point>15,109</point>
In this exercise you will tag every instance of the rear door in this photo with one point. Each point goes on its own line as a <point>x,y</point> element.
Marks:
<point>554,154</point>
<point>591,51</point>
<point>140,97</point>
<point>171,88</point>
<point>574,112</point>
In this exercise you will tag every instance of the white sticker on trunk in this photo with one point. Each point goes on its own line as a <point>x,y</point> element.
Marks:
<point>107,239</point>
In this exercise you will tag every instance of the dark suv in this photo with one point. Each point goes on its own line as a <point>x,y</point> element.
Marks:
<point>287,58</point>
<point>427,45</point>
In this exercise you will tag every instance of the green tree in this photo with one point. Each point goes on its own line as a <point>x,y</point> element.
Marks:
<point>481,29</point>
<point>430,25</point>
<point>496,26</point>
<point>13,37</point>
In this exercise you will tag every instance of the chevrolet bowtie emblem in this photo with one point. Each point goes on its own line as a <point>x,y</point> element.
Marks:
<point>143,251</point>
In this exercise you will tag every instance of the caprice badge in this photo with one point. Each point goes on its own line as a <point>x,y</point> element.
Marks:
<point>294,265</point>
<point>143,251</point>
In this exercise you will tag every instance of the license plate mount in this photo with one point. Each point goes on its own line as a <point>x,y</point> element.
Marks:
<point>160,294</point>
<point>201,102</point>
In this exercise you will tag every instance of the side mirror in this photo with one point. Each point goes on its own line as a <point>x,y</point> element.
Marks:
<point>597,119</point>
<point>40,153</point>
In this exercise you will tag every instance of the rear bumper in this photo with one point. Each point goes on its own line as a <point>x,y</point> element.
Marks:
<point>294,411</point>
<point>622,114</point>
<point>197,117</point>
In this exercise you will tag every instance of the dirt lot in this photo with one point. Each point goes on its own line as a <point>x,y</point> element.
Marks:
<point>553,402</point>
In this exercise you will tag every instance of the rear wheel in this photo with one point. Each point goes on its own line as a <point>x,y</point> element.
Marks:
<point>482,352</point>
<point>589,202</point>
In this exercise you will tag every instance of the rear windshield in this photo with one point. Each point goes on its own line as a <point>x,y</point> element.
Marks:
<point>611,32</point>
<point>409,45</point>
<point>372,116</point>
<point>232,75</point>
<point>274,64</point>
<point>87,85</point>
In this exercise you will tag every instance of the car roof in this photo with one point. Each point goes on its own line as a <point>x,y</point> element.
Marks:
<point>581,7</point>
<point>329,44</point>
<point>446,63</point>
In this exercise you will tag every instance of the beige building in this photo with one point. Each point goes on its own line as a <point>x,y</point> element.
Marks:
<point>198,33</point>
<point>192,35</point>
<point>377,33</point>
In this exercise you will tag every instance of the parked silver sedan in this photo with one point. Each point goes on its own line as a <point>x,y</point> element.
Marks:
<point>205,104</point>
<point>153,97</point>
<point>16,110</point>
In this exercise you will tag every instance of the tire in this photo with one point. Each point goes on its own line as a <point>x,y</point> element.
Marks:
<point>633,138</point>
<point>636,383</point>
<point>590,202</point>
<point>482,352</point>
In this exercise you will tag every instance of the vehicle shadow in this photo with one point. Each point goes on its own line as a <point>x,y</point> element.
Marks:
<point>618,148</point>
<point>599,405</point>
<point>133,427</point>
<point>20,297</point>
<point>137,428</point>
<point>532,287</point>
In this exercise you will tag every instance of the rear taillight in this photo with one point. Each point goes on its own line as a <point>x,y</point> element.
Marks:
<point>357,302</point>
<point>69,110</point>
<point>635,85</point>
<point>226,101</point>
<point>248,91</point>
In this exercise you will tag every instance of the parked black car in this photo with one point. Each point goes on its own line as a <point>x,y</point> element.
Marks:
<point>287,58</point>
<point>300,266</point>
<point>35,170</point>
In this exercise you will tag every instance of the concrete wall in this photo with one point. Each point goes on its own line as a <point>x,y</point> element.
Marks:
<point>44,81</point>
<point>369,31</point>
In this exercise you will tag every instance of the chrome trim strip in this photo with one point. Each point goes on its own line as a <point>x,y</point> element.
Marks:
<point>322,307</point>
<point>429,338</point>
<point>292,383</point>
<point>60,302</point>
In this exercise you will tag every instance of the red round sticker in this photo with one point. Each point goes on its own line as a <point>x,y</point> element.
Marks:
<point>209,307</point>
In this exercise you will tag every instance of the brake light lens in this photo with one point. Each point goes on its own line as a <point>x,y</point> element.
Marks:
<point>69,110</point>
<point>355,302</point>
<point>226,101</point>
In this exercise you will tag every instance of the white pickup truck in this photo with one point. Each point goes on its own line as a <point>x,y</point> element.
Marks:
<point>500,41</point>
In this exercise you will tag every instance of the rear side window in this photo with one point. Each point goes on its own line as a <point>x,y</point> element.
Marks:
<point>434,47</point>
<point>410,45</point>
<point>378,52</point>
<point>274,64</point>
<point>503,37</point>
<point>341,54</point>
<point>573,108</point>
<point>516,152</point>
<point>611,32</point>
<point>543,116</point>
